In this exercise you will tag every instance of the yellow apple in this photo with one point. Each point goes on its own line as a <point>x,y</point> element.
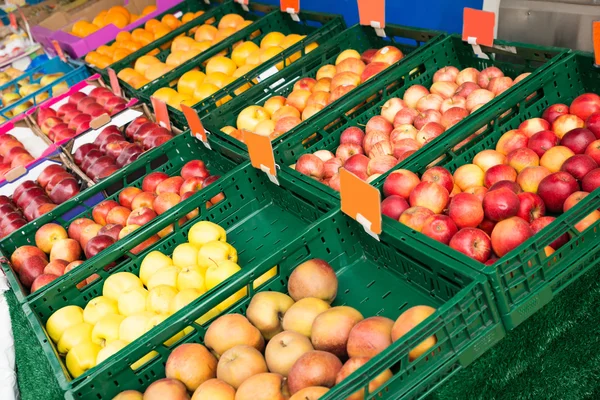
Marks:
<point>99,307</point>
<point>218,273</point>
<point>81,358</point>
<point>110,349</point>
<point>158,319</point>
<point>107,329</point>
<point>159,299</point>
<point>134,326</point>
<point>261,280</point>
<point>216,251</point>
<point>119,283</point>
<point>154,261</point>
<point>48,79</point>
<point>132,301</point>
<point>142,361</point>
<point>74,335</point>
<point>63,319</point>
<point>164,276</point>
<point>191,277</point>
<point>183,298</point>
<point>185,254</point>
<point>205,231</point>
<point>250,117</point>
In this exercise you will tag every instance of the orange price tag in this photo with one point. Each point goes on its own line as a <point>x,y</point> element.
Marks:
<point>596,38</point>
<point>114,81</point>
<point>372,13</point>
<point>13,20</point>
<point>161,112</point>
<point>361,201</point>
<point>291,6</point>
<point>195,124</point>
<point>478,27</point>
<point>59,51</point>
<point>261,154</point>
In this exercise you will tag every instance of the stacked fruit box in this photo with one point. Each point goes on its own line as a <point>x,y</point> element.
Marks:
<point>24,90</point>
<point>544,136</point>
<point>294,89</point>
<point>224,25</point>
<point>276,41</point>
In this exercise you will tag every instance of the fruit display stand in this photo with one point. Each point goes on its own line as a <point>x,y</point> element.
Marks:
<point>258,216</point>
<point>318,28</point>
<point>256,11</point>
<point>58,26</point>
<point>21,130</point>
<point>525,279</point>
<point>355,111</point>
<point>465,323</point>
<point>359,38</point>
<point>168,158</point>
<point>42,82</point>
<point>178,11</point>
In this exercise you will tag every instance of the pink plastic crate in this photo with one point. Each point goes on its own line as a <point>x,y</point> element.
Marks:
<point>58,26</point>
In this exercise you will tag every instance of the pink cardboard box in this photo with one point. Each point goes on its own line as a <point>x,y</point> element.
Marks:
<point>58,25</point>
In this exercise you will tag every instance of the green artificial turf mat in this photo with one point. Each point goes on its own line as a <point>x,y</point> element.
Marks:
<point>553,355</point>
<point>34,376</point>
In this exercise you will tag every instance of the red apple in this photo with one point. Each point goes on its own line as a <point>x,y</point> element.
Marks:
<point>439,175</point>
<point>500,204</point>
<point>151,181</point>
<point>497,173</point>
<point>415,217</point>
<point>578,140</point>
<point>352,135</point>
<point>378,123</point>
<point>486,76</point>
<point>393,206</point>
<point>405,116</point>
<point>533,126</point>
<point>555,188</point>
<point>473,243</point>
<point>331,167</point>
<point>591,181</point>
<point>453,116</point>
<point>566,123</point>
<point>465,89</point>
<point>64,190</point>
<point>579,166</point>
<point>510,234</point>
<point>111,230</point>
<point>500,84</point>
<point>400,182</point>
<point>585,105</point>
<point>310,165</point>
<point>540,223</point>
<point>513,186</point>
<point>541,141</point>
<point>466,210</point>
<point>347,150</point>
<point>429,195</point>
<point>358,164</point>
<point>96,244</point>
<point>593,124</point>
<point>427,116</point>
<point>439,227</point>
<point>512,140</point>
<point>531,207</point>
<point>446,74</point>
<point>468,75</point>
<point>555,111</point>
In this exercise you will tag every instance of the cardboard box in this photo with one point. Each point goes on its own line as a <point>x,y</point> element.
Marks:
<point>58,25</point>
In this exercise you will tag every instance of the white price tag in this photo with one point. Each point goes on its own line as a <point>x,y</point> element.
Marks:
<point>267,74</point>
<point>120,120</point>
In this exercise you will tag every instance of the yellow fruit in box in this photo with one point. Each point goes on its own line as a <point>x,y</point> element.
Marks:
<point>176,58</point>
<point>215,251</point>
<point>290,40</point>
<point>164,94</point>
<point>159,298</point>
<point>99,307</point>
<point>60,88</point>
<point>107,329</point>
<point>205,90</point>
<point>144,62</point>
<point>189,82</point>
<point>185,254</point>
<point>99,19</point>
<point>21,108</point>
<point>110,349</point>
<point>241,52</point>
<point>9,98</point>
<point>119,283</point>
<point>230,21</point>
<point>350,53</point>
<point>81,358</point>
<point>265,277</point>
<point>48,79</point>
<point>134,326</point>
<point>269,53</point>
<point>212,313</point>
<point>144,360</point>
<point>220,64</point>
<point>205,32</point>
<point>164,276</point>
<point>201,46</point>
<point>183,298</point>
<point>254,58</point>
<point>205,231</point>
<point>62,319</point>
<point>133,301</point>
<point>243,70</point>
<point>155,71</point>
<point>158,319</point>
<point>171,21</point>
<point>176,101</point>
<point>182,43</point>
<point>191,277</point>
<point>219,272</point>
<point>271,39</point>
<point>148,10</point>
<point>74,335</point>
<point>219,79</point>
<point>189,16</point>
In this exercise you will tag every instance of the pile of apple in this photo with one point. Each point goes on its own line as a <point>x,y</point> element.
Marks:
<point>12,154</point>
<point>30,200</point>
<point>130,305</point>
<point>111,151</point>
<point>111,221</point>
<point>490,207</point>
<point>26,87</point>
<point>73,117</point>
<point>311,346</point>
<point>405,125</point>
<point>311,95</point>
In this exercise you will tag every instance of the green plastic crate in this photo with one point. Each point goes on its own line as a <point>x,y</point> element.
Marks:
<point>525,279</point>
<point>354,111</point>
<point>410,40</point>
<point>265,217</point>
<point>183,7</point>
<point>255,13</point>
<point>318,28</point>
<point>168,158</point>
<point>374,277</point>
